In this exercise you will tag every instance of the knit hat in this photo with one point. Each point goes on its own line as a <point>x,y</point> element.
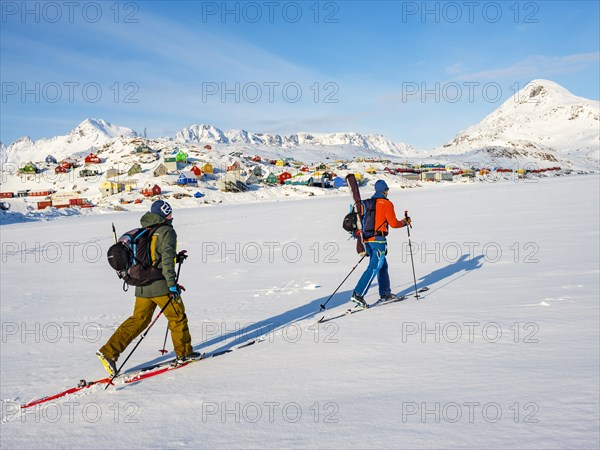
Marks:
<point>161,208</point>
<point>381,186</point>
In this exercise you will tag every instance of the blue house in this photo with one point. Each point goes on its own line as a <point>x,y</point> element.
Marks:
<point>338,182</point>
<point>198,194</point>
<point>51,160</point>
<point>187,178</point>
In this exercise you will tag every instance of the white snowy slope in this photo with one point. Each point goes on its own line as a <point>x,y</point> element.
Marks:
<point>502,352</point>
<point>543,122</point>
<point>89,134</point>
<point>210,134</point>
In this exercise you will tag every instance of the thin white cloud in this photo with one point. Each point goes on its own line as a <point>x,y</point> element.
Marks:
<point>535,67</point>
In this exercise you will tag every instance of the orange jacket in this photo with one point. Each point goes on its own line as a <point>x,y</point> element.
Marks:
<point>384,216</point>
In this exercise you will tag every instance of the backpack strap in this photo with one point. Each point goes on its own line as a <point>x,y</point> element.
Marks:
<point>153,238</point>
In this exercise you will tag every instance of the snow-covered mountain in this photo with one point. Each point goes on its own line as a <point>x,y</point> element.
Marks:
<point>543,122</point>
<point>211,134</point>
<point>88,134</point>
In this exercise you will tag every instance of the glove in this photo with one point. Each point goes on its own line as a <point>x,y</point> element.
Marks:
<point>407,221</point>
<point>174,291</point>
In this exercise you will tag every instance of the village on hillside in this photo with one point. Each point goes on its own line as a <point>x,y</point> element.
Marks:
<point>141,169</point>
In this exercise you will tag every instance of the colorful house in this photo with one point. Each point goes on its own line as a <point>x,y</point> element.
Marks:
<point>181,157</point>
<point>160,170</point>
<point>187,178</point>
<point>51,160</point>
<point>110,187</point>
<point>283,177</point>
<point>271,179</point>
<point>207,147</point>
<point>136,168</point>
<point>280,163</point>
<point>235,166</point>
<point>92,158</point>
<point>30,168</point>
<point>207,168</point>
<point>151,191</point>
<point>338,182</point>
<point>198,194</point>
<point>196,171</point>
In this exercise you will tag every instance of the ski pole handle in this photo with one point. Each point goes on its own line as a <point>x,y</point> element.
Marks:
<point>406,217</point>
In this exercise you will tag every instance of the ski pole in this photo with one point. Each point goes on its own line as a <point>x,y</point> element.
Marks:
<point>181,256</point>
<point>139,342</point>
<point>409,226</point>
<point>323,306</point>
<point>114,232</point>
<point>180,260</point>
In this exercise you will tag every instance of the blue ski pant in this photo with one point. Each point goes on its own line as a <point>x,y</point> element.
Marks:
<point>378,267</point>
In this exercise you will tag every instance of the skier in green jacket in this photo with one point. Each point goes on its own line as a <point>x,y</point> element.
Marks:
<point>158,293</point>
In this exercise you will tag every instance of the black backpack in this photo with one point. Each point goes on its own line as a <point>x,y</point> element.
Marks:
<point>132,257</point>
<point>353,222</point>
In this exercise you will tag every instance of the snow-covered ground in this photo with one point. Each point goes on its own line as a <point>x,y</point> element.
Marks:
<point>502,352</point>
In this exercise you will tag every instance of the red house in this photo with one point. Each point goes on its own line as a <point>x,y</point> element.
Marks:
<point>65,164</point>
<point>196,170</point>
<point>92,158</point>
<point>234,166</point>
<point>207,147</point>
<point>304,169</point>
<point>273,161</point>
<point>149,192</point>
<point>257,159</point>
<point>61,168</point>
<point>284,176</point>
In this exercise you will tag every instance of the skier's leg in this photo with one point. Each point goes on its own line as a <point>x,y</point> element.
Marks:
<point>178,324</point>
<point>130,329</point>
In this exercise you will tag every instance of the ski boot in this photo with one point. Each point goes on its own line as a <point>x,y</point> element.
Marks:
<point>182,359</point>
<point>359,300</point>
<point>109,364</point>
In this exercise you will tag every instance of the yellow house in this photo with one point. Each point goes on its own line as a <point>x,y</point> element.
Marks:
<point>280,163</point>
<point>371,170</point>
<point>358,177</point>
<point>207,168</point>
<point>113,187</point>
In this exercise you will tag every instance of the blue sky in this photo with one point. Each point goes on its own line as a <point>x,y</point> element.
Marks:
<point>286,66</point>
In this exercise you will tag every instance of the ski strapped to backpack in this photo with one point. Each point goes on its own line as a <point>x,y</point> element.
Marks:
<point>361,224</point>
<point>133,256</point>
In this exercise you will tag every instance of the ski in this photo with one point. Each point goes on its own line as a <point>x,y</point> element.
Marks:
<point>135,375</point>
<point>357,309</point>
<point>353,184</point>
<point>152,371</point>
<point>372,305</point>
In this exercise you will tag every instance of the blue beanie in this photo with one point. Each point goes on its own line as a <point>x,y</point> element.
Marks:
<point>381,186</point>
<point>161,208</point>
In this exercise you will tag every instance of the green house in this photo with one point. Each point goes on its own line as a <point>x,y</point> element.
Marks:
<point>30,168</point>
<point>136,168</point>
<point>181,156</point>
<point>271,179</point>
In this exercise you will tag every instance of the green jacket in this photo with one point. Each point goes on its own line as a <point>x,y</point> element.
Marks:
<point>164,258</point>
